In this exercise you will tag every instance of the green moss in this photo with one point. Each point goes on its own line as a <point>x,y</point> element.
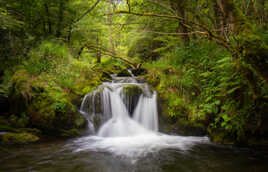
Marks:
<point>20,121</point>
<point>18,138</point>
<point>132,90</point>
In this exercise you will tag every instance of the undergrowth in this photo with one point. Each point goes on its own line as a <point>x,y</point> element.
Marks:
<point>201,82</point>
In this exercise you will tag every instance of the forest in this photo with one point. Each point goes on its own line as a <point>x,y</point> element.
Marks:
<point>207,60</point>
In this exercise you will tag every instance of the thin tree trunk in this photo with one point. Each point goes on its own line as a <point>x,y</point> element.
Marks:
<point>80,51</point>
<point>48,18</point>
<point>98,50</point>
<point>110,23</point>
<point>179,7</point>
<point>60,19</point>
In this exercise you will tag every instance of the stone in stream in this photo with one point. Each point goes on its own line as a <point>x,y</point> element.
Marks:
<point>130,95</point>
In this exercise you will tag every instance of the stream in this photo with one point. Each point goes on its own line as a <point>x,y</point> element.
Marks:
<point>123,136</point>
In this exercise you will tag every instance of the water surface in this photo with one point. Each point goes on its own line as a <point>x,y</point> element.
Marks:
<point>63,155</point>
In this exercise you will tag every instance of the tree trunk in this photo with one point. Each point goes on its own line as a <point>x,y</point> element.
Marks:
<point>48,18</point>
<point>227,19</point>
<point>98,51</point>
<point>219,19</point>
<point>110,23</point>
<point>179,7</point>
<point>60,18</point>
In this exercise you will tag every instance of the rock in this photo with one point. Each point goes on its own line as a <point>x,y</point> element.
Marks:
<point>189,128</point>
<point>80,122</point>
<point>124,73</point>
<point>18,138</point>
<point>220,136</point>
<point>139,71</point>
<point>106,77</point>
<point>131,94</point>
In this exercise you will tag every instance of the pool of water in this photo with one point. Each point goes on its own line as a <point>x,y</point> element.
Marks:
<point>67,156</point>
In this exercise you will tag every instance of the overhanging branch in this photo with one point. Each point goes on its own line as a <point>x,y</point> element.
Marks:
<point>218,39</point>
<point>109,53</point>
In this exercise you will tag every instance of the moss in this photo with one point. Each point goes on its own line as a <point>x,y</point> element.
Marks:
<point>20,121</point>
<point>70,133</point>
<point>132,90</point>
<point>18,138</point>
<point>131,94</point>
<point>5,128</point>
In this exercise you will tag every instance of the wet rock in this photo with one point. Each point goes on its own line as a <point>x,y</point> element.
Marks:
<point>221,136</point>
<point>124,73</point>
<point>80,122</point>
<point>188,128</point>
<point>139,71</point>
<point>131,94</point>
<point>106,77</point>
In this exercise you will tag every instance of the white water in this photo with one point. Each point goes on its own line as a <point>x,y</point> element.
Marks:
<point>121,134</point>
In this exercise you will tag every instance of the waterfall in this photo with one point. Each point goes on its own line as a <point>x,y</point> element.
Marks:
<point>146,112</point>
<point>123,120</point>
<point>109,108</point>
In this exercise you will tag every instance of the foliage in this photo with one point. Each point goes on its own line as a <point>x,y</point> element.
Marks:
<point>201,82</point>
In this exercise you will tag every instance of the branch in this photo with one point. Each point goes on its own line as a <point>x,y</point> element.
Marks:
<point>148,15</point>
<point>123,24</point>
<point>163,6</point>
<point>109,53</point>
<point>88,11</point>
<point>166,33</point>
<point>213,36</point>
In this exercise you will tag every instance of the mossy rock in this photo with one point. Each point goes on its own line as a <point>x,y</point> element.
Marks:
<point>80,122</point>
<point>18,138</point>
<point>131,94</point>
<point>187,128</point>
<point>220,136</point>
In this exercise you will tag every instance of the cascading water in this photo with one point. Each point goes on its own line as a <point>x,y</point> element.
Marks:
<point>123,120</point>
